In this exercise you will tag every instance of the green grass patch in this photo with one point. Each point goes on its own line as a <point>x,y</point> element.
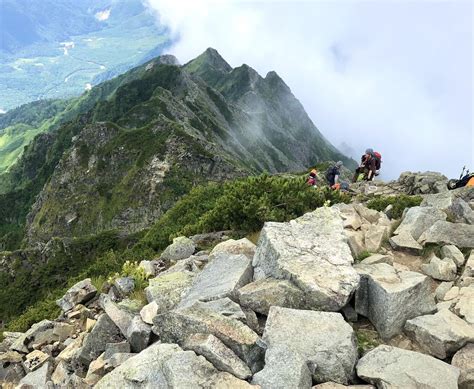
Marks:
<point>363,255</point>
<point>400,203</point>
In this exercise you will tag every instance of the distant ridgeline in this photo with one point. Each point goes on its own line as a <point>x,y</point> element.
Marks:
<point>121,154</point>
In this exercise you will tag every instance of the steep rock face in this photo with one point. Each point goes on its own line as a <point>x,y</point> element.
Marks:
<point>113,178</point>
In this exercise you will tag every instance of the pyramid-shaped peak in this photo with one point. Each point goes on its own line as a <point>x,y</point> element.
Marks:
<point>212,57</point>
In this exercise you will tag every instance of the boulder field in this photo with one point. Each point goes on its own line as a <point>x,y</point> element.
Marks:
<point>292,311</point>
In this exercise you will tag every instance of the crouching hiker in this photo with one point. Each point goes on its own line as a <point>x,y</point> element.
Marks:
<point>311,180</point>
<point>333,174</point>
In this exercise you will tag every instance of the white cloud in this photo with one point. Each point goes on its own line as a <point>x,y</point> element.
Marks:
<point>395,76</point>
<point>103,15</point>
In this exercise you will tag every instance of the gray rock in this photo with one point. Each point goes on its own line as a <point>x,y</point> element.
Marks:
<point>467,277</point>
<point>166,290</point>
<point>124,286</point>
<point>405,242</point>
<point>260,295</point>
<point>231,246</point>
<point>148,312</point>
<point>302,345</point>
<point>312,252</point>
<point>378,258</point>
<point>138,334</point>
<point>374,237</point>
<point>441,334</point>
<point>418,219</point>
<point>442,289</point>
<point>443,232</point>
<point>177,326</point>
<point>113,348</point>
<point>11,369</point>
<point>61,374</point>
<point>216,352</point>
<point>38,378</point>
<point>105,331</point>
<point>116,360</point>
<point>226,307</point>
<point>440,269</point>
<point>464,360</point>
<point>356,241</point>
<point>39,333</point>
<point>181,248</point>
<point>80,293</point>
<point>452,252</point>
<point>349,313</point>
<point>465,304</point>
<point>35,360</point>
<point>161,366</point>
<point>95,371</point>
<point>222,277</point>
<point>371,215</point>
<point>62,331</point>
<point>388,299</point>
<point>131,326</point>
<point>461,212</point>
<point>350,217</point>
<point>391,367</point>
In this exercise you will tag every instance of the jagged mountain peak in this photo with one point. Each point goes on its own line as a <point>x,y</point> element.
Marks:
<point>209,60</point>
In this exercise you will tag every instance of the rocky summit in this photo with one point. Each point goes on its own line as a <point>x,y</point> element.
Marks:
<point>326,300</point>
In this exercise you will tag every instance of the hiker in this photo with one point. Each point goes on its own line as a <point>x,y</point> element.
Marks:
<point>369,166</point>
<point>311,181</point>
<point>333,173</point>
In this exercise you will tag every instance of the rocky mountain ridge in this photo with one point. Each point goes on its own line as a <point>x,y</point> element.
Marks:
<point>343,296</point>
<point>95,168</point>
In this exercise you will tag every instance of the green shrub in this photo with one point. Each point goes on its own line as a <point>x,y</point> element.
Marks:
<point>400,203</point>
<point>363,255</point>
<point>239,205</point>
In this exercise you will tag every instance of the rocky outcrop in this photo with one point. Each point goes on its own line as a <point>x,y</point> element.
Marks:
<point>391,367</point>
<point>292,360</point>
<point>418,219</point>
<point>313,253</point>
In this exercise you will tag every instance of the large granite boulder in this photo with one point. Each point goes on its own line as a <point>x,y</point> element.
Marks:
<point>441,334</point>
<point>176,326</point>
<point>417,220</point>
<point>389,298</point>
<point>262,294</point>
<point>452,252</point>
<point>312,252</point>
<point>452,204</point>
<point>80,293</point>
<point>306,345</point>
<point>181,248</point>
<point>443,232</point>
<point>464,360</point>
<point>221,277</point>
<point>416,183</point>
<point>391,367</point>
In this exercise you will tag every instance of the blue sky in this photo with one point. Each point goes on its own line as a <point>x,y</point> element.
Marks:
<point>392,75</point>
